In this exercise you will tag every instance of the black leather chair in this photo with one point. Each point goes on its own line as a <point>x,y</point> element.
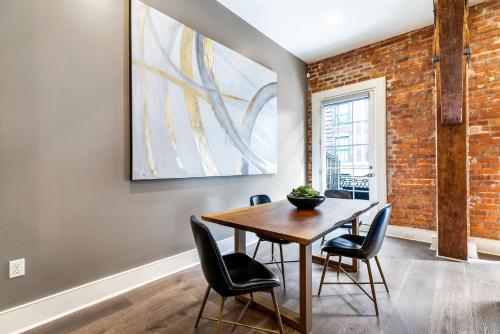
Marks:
<point>263,199</point>
<point>231,275</point>
<point>338,193</point>
<point>343,194</point>
<point>360,247</point>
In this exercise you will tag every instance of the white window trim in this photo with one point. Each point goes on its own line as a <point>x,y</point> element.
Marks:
<point>378,88</point>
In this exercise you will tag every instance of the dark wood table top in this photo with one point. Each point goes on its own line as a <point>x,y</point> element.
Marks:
<point>282,220</point>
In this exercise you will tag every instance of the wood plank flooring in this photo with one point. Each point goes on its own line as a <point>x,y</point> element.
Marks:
<point>427,295</point>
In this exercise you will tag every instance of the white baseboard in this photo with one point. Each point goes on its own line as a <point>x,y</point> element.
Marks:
<point>33,314</point>
<point>410,233</point>
<point>487,246</point>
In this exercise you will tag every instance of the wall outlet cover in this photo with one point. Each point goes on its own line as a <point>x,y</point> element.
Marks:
<point>16,268</point>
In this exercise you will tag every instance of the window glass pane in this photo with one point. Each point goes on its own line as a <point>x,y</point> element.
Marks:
<point>332,160</point>
<point>360,110</point>
<point>343,153</point>
<point>342,130</point>
<point>361,173</point>
<point>360,156</point>
<point>339,179</point>
<point>358,194</point>
<point>342,141</point>
<point>342,113</point>
<point>361,183</point>
<point>360,132</point>
<point>346,166</point>
<point>332,178</point>
<point>346,145</point>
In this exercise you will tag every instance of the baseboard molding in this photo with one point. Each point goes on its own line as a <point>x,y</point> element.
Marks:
<point>410,233</point>
<point>33,314</point>
<point>486,246</point>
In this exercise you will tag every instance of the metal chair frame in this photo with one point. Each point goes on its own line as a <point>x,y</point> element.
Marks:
<point>373,297</point>
<point>236,323</point>
<point>280,264</point>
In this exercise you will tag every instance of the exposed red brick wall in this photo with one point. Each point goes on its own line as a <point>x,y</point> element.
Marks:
<point>411,130</point>
<point>484,120</point>
<point>405,61</point>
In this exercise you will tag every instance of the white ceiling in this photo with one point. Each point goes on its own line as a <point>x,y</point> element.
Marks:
<point>317,29</point>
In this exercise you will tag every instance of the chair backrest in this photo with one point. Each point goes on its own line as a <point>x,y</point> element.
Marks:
<point>338,193</point>
<point>212,264</point>
<point>376,233</point>
<point>259,199</point>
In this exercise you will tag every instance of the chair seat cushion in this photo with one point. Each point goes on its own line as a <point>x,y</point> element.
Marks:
<point>248,275</point>
<point>348,245</point>
<point>271,239</point>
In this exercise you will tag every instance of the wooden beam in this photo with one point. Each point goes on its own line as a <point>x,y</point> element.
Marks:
<point>452,172</point>
<point>451,46</point>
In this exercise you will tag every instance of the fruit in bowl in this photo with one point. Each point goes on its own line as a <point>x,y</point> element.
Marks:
<point>305,197</point>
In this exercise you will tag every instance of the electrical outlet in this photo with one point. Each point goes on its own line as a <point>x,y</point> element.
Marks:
<point>16,268</point>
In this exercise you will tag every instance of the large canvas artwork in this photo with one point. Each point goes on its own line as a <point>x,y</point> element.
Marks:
<point>198,108</point>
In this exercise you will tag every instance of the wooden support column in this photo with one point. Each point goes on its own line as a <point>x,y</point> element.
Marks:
<point>450,41</point>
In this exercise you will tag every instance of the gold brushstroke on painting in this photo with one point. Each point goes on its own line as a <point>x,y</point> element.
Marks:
<point>180,82</point>
<point>192,105</point>
<point>208,54</point>
<point>147,132</point>
<point>170,129</point>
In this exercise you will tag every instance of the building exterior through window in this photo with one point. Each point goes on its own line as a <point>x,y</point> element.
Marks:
<point>346,144</point>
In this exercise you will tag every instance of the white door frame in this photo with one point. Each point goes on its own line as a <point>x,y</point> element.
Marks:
<point>377,89</point>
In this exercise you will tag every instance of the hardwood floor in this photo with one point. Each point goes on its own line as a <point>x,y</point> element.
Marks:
<point>427,295</point>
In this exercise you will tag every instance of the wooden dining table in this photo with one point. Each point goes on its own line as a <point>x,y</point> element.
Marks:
<point>282,220</point>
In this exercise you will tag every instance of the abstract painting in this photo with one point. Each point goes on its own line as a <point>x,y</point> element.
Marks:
<point>198,108</point>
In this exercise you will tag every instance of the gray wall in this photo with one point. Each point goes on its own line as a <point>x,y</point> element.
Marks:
<point>66,202</point>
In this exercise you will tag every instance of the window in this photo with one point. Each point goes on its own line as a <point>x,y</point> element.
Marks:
<point>356,111</point>
<point>342,114</point>
<point>342,148</point>
<point>346,149</point>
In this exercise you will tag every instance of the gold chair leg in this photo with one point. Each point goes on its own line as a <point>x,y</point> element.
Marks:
<point>277,310</point>
<point>322,243</point>
<point>323,274</point>
<point>256,249</point>
<point>282,266</point>
<point>372,286</point>
<point>202,306</point>
<point>340,266</point>
<point>219,319</point>
<point>250,301</point>
<point>381,273</point>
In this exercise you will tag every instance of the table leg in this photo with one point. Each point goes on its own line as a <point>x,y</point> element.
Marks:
<point>305,288</point>
<point>301,321</point>
<point>240,241</point>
